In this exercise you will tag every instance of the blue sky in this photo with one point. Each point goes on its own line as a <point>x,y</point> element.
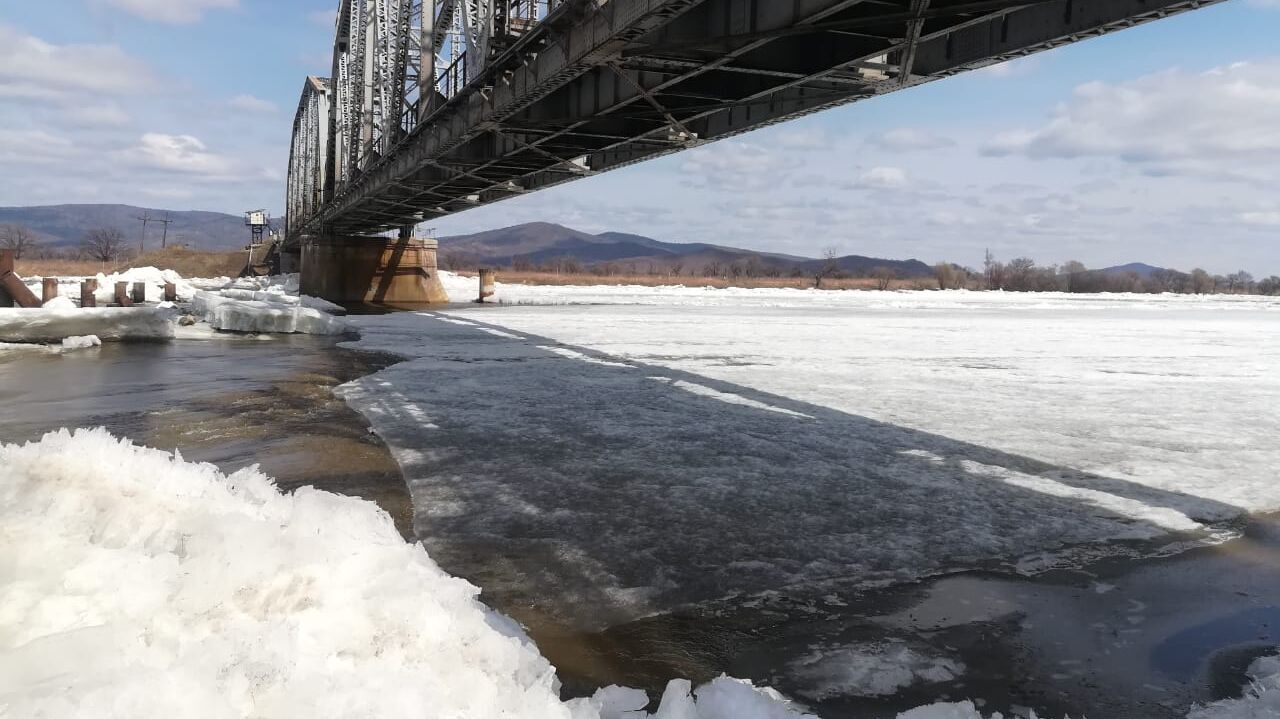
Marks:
<point>1159,143</point>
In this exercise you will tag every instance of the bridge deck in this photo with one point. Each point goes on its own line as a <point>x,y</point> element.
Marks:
<point>588,90</point>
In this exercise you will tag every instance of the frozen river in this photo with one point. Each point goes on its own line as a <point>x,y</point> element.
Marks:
<point>871,501</point>
<point>653,455</point>
<point>598,457</point>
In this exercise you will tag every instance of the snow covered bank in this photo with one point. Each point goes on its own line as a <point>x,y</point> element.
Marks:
<point>153,278</point>
<point>108,323</point>
<point>138,585</point>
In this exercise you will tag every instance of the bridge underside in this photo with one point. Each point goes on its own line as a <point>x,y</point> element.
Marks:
<point>592,89</point>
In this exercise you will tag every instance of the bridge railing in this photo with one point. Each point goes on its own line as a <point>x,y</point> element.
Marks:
<point>451,79</point>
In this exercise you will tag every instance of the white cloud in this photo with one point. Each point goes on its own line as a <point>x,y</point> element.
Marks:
<point>1261,219</point>
<point>173,12</point>
<point>883,178</point>
<point>178,153</point>
<point>31,68</point>
<point>249,103</point>
<point>804,138</point>
<point>737,166</point>
<point>33,147</point>
<point>102,114</point>
<point>1017,67</point>
<point>1219,123</point>
<point>906,139</point>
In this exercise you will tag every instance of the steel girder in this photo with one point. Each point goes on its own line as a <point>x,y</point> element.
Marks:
<point>308,156</point>
<point>591,85</point>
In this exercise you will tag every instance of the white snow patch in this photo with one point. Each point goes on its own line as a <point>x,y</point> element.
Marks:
<point>59,303</point>
<point>728,397</point>
<point>108,323</point>
<point>869,671</point>
<point>139,585</point>
<point>957,710</point>
<point>79,343</point>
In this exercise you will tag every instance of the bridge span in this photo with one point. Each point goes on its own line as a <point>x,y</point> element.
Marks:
<point>438,106</point>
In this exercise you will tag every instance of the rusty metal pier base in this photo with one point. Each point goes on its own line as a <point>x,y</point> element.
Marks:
<point>347,269</point>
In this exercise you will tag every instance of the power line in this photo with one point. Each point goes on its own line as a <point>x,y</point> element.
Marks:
<point>142,244</point>
<point>164,239</point>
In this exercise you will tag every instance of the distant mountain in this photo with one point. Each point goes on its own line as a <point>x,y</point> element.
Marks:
<point>1141,269</point>
<point>65,225</point>
<point>543,243</point>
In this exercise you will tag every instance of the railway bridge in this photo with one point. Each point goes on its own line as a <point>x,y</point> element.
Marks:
<point>437,106</point>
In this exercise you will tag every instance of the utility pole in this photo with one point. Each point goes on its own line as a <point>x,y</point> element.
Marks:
<point>142,245</point>
<point>164,239</point>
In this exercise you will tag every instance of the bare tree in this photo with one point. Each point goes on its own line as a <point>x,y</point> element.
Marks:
<point>884,276</point>
<point>105,244</point>
<point>1075,273</point>
<point>948,276</point>
<point>1239,282</point>
<point>1020,275</point>
<point>1201,282</point>
<point>830,265</point>
<point>993,271</point>
<point>19,239</point>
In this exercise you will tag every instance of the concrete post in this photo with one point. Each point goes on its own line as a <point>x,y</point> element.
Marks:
<point>49,289</point>
<point>122,294</point>
<point>170,292</point>
<point>139,292</point>
<point>354,269</point>
<point>87,290</point>
<point>488,284</point>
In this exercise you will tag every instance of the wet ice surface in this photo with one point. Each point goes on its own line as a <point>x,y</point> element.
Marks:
<point>624,460</point>
<point>716,481</point>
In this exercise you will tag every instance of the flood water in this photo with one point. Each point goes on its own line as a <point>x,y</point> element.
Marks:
<point>1120,638</point>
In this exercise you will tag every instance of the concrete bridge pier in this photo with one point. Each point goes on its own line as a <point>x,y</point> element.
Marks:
<point>352,268</point>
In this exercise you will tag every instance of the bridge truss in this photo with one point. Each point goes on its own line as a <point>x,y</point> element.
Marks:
<point>437,106</point>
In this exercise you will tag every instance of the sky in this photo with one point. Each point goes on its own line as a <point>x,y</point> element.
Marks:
<point>1158,144</point>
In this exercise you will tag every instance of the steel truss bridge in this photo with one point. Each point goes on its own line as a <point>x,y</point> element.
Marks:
<point>437,106</point>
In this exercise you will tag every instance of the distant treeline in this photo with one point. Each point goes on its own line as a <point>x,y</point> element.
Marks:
<point>1024,275</point>
<point>1017,275</point>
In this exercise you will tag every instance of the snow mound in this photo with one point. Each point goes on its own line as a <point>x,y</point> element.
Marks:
<point>145,586</point>
<point>959,710</point>
<point>59,303</point>
<point>79,343</point>
<point>108,323</point>
<point>139,585</point>
<point>225,312</point>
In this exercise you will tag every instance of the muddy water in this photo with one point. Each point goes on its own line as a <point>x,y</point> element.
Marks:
<point>1120,639</point>
<point>233,402</point>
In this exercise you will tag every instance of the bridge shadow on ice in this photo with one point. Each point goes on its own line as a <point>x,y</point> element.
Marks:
<point>595,490</point>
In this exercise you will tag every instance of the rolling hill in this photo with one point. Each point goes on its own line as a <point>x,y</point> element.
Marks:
<point>64,225</point>
<point>543,243</point>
